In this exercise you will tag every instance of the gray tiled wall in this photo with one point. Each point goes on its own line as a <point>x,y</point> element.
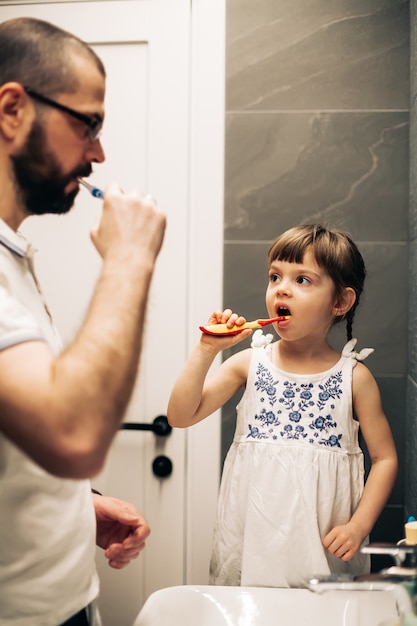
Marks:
<point>317,129</point>
<point>411,427</point>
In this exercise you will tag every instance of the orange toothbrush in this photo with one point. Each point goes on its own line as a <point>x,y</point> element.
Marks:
<point>223,330</point>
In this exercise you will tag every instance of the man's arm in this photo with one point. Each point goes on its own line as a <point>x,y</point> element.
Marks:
<point>63,412</point>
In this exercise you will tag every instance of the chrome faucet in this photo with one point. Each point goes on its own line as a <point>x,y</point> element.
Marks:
<point>400,579</point>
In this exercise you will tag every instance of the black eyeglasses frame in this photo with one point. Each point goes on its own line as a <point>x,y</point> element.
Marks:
<point>93,122</point>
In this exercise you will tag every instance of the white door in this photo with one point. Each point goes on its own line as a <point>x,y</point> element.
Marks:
<point>162,101</point>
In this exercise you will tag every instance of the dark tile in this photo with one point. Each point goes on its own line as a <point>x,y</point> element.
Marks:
<point>411,449</point>
<point>413,172</point>
<point>286,168</point>
<point>381,320</point>
<point>388,529</point>
<point>246,278</point>
<point>413,50</point>
<point>314,54</point>
<point>390,525</point>
<point>412,313</point>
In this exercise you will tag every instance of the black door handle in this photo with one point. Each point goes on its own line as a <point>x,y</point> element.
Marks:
<point>159,426</point>
<point>162,466</point>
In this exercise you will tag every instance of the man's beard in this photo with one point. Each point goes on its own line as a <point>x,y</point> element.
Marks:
<point>41,184</point>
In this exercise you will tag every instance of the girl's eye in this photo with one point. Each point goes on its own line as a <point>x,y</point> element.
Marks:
<point>303,280</point>
<point>273,278</point>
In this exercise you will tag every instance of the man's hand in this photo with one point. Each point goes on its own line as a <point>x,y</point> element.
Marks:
<point>131,226</point>
<point>121,530</point>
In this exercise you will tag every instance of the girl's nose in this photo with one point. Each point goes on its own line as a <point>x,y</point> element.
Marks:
<point>282,287</point>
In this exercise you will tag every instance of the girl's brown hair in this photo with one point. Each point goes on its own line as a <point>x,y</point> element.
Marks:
<point>333,250</point>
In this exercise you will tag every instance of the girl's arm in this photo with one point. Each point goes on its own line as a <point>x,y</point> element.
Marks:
<point>344,541</point>
<point>192,397</point>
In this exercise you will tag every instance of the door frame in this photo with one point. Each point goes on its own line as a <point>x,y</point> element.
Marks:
<point>205,277</point>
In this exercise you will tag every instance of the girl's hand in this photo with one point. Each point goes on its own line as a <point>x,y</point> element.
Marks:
<point>231,319</point>
<point>344,541</point>
<point>226,317</point>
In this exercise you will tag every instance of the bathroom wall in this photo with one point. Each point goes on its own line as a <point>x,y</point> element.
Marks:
<point>317,129</point>
<point>411,427</point>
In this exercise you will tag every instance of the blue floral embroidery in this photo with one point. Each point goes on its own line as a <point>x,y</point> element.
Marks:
<point>293,433</point>
<point>330,389</point>
<point>305,410</point>
<point>266,383</point>
<point>323,424</point>
<point>268,418</point>
<point>255,433</point>
<point>333,440</point>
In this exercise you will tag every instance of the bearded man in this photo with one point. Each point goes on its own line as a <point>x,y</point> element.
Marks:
<point>60,409</point>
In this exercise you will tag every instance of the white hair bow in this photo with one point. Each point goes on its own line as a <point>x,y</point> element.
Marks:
<point>259,339</point>
<point>349,351</point>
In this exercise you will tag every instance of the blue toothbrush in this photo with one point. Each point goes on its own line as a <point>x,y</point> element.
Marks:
<point>95,191</point>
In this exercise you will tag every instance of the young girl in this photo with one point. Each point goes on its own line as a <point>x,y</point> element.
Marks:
<point>292,500</point>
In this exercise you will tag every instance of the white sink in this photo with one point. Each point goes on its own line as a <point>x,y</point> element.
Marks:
<point>190,605</point>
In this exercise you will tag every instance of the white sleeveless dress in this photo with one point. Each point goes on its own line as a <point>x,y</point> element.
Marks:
<point>293,472</point>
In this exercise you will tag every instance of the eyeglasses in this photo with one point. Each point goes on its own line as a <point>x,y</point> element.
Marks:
<point>93,122</point>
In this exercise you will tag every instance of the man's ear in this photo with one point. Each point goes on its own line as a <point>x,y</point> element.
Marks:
<point>344,302</point>
<point>16,111</point>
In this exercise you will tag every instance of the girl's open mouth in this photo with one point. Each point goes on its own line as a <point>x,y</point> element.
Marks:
<point>282,310</point>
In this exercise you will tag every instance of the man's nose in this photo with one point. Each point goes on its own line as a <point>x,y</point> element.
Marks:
<point>95,152</point>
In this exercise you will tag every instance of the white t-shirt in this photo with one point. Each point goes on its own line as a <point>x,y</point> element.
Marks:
<point>47,524</point>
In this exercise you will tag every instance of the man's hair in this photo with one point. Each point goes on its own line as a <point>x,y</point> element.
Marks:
<point>39,55</point>
<point>333,250</point>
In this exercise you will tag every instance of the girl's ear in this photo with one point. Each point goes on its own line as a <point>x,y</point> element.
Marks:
<point>344,302</point>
